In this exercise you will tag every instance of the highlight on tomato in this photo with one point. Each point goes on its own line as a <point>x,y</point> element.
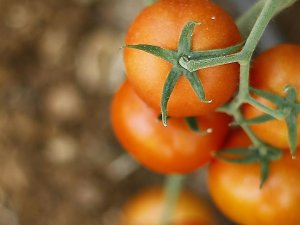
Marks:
<point>173,149</point>
<point>235,189</point>
<point>147,208</point>
<point>160,24</point>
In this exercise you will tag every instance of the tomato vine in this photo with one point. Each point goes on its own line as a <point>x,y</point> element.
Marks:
<point>258,17</point>
<point>252,25</point>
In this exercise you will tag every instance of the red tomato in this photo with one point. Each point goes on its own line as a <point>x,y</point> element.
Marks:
<point>235,189</point>
<point>147,208</point>
<point>161,24</point>
<point>272,71</point>
<point>172,149</point>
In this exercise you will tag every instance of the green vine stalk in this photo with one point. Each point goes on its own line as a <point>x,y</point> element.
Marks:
<point>173,186</point>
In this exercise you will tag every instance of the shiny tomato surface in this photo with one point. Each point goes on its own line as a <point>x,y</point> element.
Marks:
<point>161,24</point>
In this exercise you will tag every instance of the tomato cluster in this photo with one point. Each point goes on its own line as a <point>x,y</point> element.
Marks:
<point>195,131</point>
<point>136,107</point>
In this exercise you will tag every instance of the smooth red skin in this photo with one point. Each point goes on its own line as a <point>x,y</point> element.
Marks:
<point>160,24</point>
<point>172,149</point>
<point>235,189</point>
<point>147,207</point>
<point>272,71</point>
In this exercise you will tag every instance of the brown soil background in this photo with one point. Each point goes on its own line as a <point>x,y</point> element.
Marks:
<point>60,63</point>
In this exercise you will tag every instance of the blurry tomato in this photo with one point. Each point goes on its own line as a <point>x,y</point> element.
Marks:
<point>147,209</point>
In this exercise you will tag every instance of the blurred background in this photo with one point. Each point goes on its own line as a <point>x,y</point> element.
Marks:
<point>60,63</point>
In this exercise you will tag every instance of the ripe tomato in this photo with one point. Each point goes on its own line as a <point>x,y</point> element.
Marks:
<point>147,208</point>
<point>272,71</point>
<point>172,149</point>
<point>161,24</point>
<point>235,189</point>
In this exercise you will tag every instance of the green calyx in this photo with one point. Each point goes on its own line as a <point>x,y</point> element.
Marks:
<point>193,125</point>
<point>288,106</point>
<point>262,155</point>
<point>179,60</point>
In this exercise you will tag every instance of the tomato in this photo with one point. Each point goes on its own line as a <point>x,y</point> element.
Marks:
<point>147,208</point>
<point>235,189</point>
<point>189,223</point>
<point>172,149</point>
<point>161,24</point>
<point>272,71</point>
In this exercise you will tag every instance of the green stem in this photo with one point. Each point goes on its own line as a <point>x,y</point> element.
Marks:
<point>244,82</point>
<point>269,10</point>
<point>248,19</point>
<point>246,22</point>
<point>173,187</point>
<point>275,113</point>
<point>237,115</point>
<point>244,95</point>
<point>149,2</point>
<point>194,65</point>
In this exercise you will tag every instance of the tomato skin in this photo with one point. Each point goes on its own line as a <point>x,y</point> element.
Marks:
<point>147,207</point>
<point>172,149</point>
<point>272,71</point>
<point>235,190</point>
<point>161,24</point>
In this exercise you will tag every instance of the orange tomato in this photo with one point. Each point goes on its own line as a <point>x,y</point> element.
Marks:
<point>272,71</point>
<point>172,149</point>
<point>161,24</point>
<point>147,209</point>
<point>235,189</point>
